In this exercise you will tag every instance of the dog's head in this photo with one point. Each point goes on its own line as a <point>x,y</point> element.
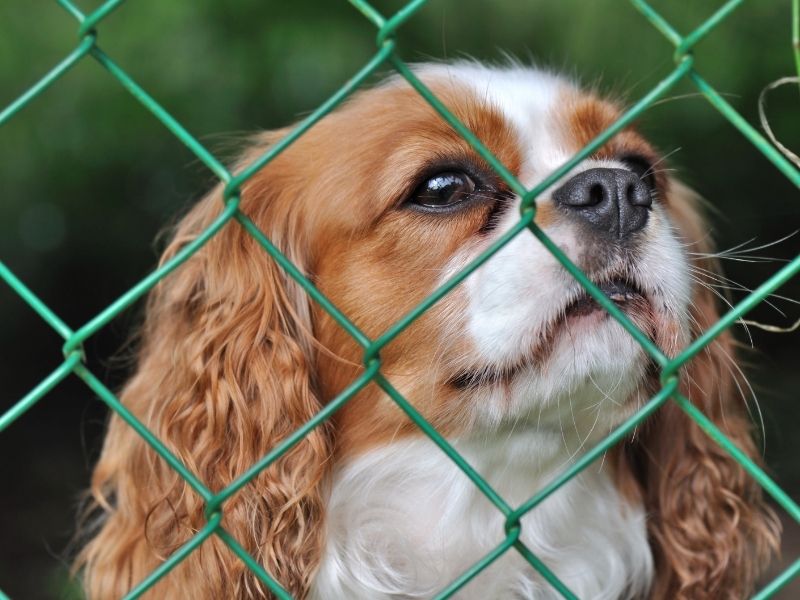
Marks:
<point>394,203</point>
<point>380,204</point>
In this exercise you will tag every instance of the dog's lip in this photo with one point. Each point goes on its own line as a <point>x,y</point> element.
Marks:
<point>627,294</point>
<point>621,291</point>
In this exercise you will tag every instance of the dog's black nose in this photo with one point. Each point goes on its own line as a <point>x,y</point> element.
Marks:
<point>614,202</point>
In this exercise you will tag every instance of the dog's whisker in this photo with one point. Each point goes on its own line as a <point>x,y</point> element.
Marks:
<point>742,251</point>
<point>733,365</point>
<point>740,288</point>
<point>729,304</point>
<point>705,277</point>
<point>659,161</point>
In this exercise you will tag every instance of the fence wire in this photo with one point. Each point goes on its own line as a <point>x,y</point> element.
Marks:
<point>387,53</point>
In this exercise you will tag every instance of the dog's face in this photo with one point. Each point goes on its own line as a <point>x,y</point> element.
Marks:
<point>396,203</point>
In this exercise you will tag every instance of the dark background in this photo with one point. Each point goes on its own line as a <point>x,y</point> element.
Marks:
<point>88,178</point>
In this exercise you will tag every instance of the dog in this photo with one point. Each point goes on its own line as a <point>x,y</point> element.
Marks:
<point>379,204</point>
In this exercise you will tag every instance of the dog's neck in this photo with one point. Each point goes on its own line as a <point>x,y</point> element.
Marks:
<point>403,522</point>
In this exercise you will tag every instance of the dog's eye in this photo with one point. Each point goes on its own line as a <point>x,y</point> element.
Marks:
<point>642,167</point>
<point>443,190</point>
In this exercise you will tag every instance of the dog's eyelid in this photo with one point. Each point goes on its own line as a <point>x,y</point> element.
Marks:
<point>477,183</point>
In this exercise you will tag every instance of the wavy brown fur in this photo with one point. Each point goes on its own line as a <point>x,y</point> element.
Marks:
<point>225,337</point>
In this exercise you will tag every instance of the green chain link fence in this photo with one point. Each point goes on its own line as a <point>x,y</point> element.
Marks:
<point>387,53</point>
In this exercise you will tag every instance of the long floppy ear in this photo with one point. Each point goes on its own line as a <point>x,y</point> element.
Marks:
<point>710,530</point>
<point>224,373</point>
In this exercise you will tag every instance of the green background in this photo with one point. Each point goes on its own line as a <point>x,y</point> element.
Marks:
<point>88,179</point>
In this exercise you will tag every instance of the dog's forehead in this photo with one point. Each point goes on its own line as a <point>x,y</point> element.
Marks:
<point>551,115</point>
<point>527,98</point>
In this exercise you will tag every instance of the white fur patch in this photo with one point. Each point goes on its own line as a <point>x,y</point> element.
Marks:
<point>404,522</point>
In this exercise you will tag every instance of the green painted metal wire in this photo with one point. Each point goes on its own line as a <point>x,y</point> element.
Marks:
<point>215,503</point>
<point>32,397</point>
<point>482,564</point>
<point>779,582</point>
<point>253,565</point>
<point>148,282</point>
<point>210,528</point>
<point>231,216</point>
<point>612,439</point>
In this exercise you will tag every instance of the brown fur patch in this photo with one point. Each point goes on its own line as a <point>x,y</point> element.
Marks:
<point>546,215</point>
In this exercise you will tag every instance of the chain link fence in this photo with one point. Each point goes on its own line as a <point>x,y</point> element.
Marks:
<point>387,54</point>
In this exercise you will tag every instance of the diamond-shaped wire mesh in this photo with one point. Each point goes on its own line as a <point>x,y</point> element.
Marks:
<point>387,54</point>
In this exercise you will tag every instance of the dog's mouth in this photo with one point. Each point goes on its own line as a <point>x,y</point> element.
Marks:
<point>626,294</point>
<point>622,292</point>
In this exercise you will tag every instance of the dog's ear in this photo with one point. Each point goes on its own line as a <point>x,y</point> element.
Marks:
<point>710,530</point>
<point>225,372</point>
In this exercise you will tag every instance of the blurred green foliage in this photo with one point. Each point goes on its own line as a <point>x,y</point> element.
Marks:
<point>88,178</point>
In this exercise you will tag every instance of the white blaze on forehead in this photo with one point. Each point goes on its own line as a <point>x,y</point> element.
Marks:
<point>526,97</point>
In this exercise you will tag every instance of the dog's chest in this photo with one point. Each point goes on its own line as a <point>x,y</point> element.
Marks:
<point>403,522</point>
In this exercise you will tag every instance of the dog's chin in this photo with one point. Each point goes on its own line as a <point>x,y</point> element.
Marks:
<point>584,378</point>
<point>596,376</point>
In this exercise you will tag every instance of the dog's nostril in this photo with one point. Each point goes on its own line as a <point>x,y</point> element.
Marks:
<point>638,194</point>
<point>629,192</point>
<point>595,195</point>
